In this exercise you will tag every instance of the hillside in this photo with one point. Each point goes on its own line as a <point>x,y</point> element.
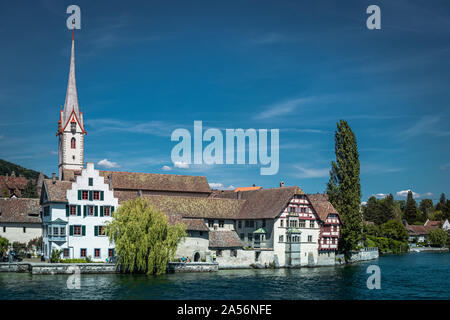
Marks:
<point>8,167</point>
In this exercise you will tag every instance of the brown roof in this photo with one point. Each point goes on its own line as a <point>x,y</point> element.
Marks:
<point>195,224</point>
<point>416,230</point>
<point>157,182</point>
<point>196,207</point>
<point>429,224</point>
<point>70,175</point>
<point>321,205</point>
<point>18,210</point>
<point>12,183</point>
<point>266,203</point>
<point>224,239</point>
<point>56,191</point>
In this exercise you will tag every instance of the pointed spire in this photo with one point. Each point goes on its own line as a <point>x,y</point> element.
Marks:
<point>71,102</point>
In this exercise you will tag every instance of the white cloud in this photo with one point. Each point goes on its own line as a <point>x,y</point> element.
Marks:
<point>166,168</point>
<point>428,194</point>
<point>363,203</point>
<point>404,193</point>
<point>311,172</point>
<point>108,164</point>
<point>283,108</point>
<point>220,186</point>
<point>380,195</point>
<point>181,165</point>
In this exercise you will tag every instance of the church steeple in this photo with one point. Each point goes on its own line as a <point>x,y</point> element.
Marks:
<point>71,125</point>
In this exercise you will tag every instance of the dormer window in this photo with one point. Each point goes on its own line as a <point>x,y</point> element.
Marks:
<point>73,126</point>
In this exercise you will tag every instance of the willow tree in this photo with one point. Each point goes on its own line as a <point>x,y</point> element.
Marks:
<point>344,188</point>
<point>144,240</point>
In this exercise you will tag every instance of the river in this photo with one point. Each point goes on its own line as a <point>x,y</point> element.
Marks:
<point>407,276</point>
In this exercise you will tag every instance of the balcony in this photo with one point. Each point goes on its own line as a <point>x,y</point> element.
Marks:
<point>57,238</point>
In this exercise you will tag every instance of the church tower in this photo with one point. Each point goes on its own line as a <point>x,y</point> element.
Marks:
<point>71,125</point>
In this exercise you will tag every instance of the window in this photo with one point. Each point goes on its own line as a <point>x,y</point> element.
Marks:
<point>242,236</point>
<point>77,230</point>
<point>201,233</point>
<point>218,253</point>
<point>73,143</point>
<point>250,237</point>
<point>97,253</point>
<point>311,224</point>
<point>221,223</point>
<point>91,182</point>
<point>264,223</point>
<point>65,253</point>
<point>106,211</point>
<point>85,195</point>
<point>303,210</point>
<point>332,240</point>
<point>281,222</point>
<point>62,231</point>
<point>24,230</point>
<point>4,229</point>
<point>210,223</point>
<point>90,210</point>
<point>73,126</point>
<point>101,230</point>
<point>291,209</point>
<point>83,253</point>
<point>239,224</point>
<point>247,224</point>
<point>233,253</point>
<point>73,210</point>
<point>252,223</point>
<point>96,195</point>
<point>281,238</point>
<point>55,231</point>
<point>110,253</point>
<point>310,239</point>
<point>302,224</point>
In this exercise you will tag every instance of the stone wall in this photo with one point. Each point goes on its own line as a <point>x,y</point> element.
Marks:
<point>245,259</point>
<point>364,255</point>
<point>192,267</point>
<point>58,268</point>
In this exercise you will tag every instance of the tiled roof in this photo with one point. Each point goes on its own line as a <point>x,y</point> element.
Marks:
<point>247,189</point>
<point>56,190</point>
<point>321,205</point>
<point>16,184</point>
<point>416,230</point>
<point>17,210</point>
<point>196,207</point>
<point>195,224</point>
<point>266,203</point>
<point>224,239</point>
<point>159,182</point>
<point>429,224</point>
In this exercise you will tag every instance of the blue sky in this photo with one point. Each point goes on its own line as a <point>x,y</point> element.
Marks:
<point>146,68</point>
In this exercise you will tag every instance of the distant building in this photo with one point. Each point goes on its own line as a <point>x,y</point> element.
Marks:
<point>20,219</point>
<point>446,225</point>
<point>419,233</point>
<point>12,186</point>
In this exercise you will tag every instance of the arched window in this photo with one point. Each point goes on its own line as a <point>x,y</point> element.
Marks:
<point>72,143</point>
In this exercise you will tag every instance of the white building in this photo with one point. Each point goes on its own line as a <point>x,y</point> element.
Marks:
<point>75,216</point>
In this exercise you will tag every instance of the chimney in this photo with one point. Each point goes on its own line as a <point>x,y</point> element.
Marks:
<point>254,185</point>
<point>238,194</point>
<point>281,184</point>
<point>13,174</point>
<point>53,178</point>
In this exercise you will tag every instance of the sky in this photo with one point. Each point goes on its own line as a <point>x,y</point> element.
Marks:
<point>147,68</point>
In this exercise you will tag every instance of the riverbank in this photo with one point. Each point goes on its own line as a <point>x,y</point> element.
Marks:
<point>428,249</point>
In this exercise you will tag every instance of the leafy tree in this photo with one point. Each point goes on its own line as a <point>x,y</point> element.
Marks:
<point>426,207</point>
<point>145,242</point>
<point>20,248</point>
<point>394,229</point>
<point>370,210</point>
<point>437,237</point>
<point>344,189</point>
<point>4,243</point>
<point>386,209</point>
<point>436,215</point>
<point>410,213</point>
<point>441,204</point>
<point>30,190</point>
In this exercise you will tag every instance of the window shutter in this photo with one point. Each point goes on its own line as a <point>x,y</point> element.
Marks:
<point>101,211</point>
<point>67,210</point>
<point>102,195</point>
<point>96,211</point>
<point>84,210</point>
<point>78,210</point>
<point>90,195</point>
<point>83,230</point>
<point>79,194</point>
<point>71,230</point>
<point>112,209</point>
<point>96,230</point>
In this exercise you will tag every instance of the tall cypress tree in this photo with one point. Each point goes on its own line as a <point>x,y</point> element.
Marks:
<point>386,209</point>
<point>343,188</point>
<point>410,209</point>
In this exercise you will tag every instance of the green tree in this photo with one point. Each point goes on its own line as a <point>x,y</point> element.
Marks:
<point>344,189</point>
<point>386,210</point>
<point>410,213</point>
<point>441,204</point>
<point>4,243</point>
<point>144,240</point>
<point>370,209</point>
<point>30,190</point>
<point>426,207</point>
<point>394,229</point>
<point>437,237</point>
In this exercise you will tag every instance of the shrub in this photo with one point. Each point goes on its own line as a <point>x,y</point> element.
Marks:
<point>55,257</point>
<point>437,237</point>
